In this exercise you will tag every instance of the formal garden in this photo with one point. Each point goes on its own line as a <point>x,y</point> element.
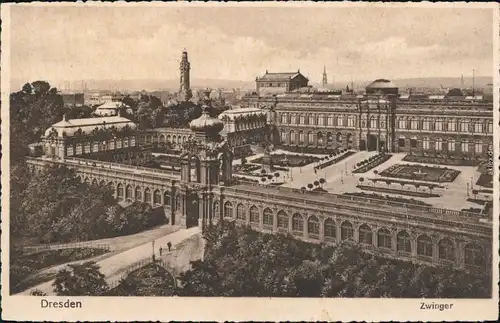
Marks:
<point>289,160</point>
<point>423,173</point>
<point>485,180</point>
<point>441,159</point>
<point>372,162</point>
<point>22,266</point>
<point>333,158</point>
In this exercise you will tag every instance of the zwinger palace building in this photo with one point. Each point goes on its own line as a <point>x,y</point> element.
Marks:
<point>203,191</point>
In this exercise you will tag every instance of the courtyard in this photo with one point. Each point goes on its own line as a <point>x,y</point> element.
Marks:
<point>422,173</point>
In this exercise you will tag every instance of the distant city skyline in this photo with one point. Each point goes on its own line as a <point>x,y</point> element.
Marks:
<point>61,43</point>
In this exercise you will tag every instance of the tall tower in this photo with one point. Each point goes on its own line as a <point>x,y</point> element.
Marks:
<point>185,67</point>
<point>325,78</point>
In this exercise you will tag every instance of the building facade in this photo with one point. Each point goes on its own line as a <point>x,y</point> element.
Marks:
<point>280,82</point>
<point>381,121</point>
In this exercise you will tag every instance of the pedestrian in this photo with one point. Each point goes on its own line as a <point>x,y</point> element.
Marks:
<point>169,245</point>
<point>161,251</point>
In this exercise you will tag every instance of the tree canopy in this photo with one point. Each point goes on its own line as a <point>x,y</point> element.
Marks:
<point>80,280</point>
<point>242,262</point>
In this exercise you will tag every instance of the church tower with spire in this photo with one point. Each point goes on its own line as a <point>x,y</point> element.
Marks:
<point>325,78</point>
<point>185,87</point>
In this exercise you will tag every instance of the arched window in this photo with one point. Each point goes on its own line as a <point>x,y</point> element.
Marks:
<point>302,119</point>
<point>424,246</point>
<point>166,198</point>
<point>292,137</point>
<point>464,126</point>
<point>474,255</point>
<point>147,195</point>
<point>157,197</point>
<point>402,123</point>
<point>254,215</point>
<point>293,118</point>
<point>313,225</point>
<point>311,119</point>
<point>301,137</point>
<point>439,144</point>
<point>78,149</point>
<point>282,220</point>
<point>438,125</point>
<point>241,213</point>
<point>478,146</point>
<point>404,242</point>
<point>283,118</point>
<point>297,223</point>
<point>351,121</point>
<point>365,235</point>
<point>452,125</point>
<point>228,210</point>
<point>414,124</point>
<point>283,135</point>
<point>426,124</point>
<point>425,143</point>
<point>373,122</point>
<point>319,137</point>
<point>310,138</point>
<point>340,121</point>
<point>384,237</point>
<point>321,120</point>
<point>216,209</point>
<point>268,217</point>
<point>330,229</point>
<point>120,191</point>
<point>451,144</point>
<point>464,145</point>
<point>490,127</point>
<point>331,121</point>
<point>138,193</point>
<point>339,137</point>
<point>446,249</point>
<point>346,230</point>
<point>128,192</point>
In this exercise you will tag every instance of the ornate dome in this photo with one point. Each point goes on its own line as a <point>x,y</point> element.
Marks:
<point>206,123</point>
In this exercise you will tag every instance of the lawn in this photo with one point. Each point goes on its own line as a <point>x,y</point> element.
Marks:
<point>423,173</point>
<point>289,160</point>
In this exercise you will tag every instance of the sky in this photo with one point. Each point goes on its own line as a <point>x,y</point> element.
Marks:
<point>80,42</point>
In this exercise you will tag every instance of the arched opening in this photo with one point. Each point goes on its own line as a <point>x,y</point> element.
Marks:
<point>404,242</point>
<point>138,193</point>
<point>119,192</point>
<point>446,250</point>
<point>241,212</point>
<point>268,217</point>
<point>228,210</point>
<point>330,229</point>
<point>346,230</point>
<point>128,192</point>
<point>474,255</point>
<point>313,226</point>
<point>384,237</point>
<point>194,169</point>
<point>297,223</point>
<point>157,197</point>
<point>192,210</point>
<point>424,246</point>
<point>166,198</point>
<point>282,220</point>
<point>365,235</point>
<point>254,215</point>
<point>147,195</point>
<point>216,207</point>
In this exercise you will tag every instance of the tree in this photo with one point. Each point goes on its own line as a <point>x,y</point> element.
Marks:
<point>37,292</point>
<point>361,179</point>
<point>243,160</point>
<point>375,172</point>
<point>322,181</point>
<point>80,280</point>
<point>316,183</point>
<point>310,186</point>
<point>475,192</point>
<point>303,189</point>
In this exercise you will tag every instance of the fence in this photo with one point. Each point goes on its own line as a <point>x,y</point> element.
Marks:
<point>140,264</point>
<point>60,246</point>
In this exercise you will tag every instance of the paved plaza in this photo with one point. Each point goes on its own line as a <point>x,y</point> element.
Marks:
<point>340,179</point>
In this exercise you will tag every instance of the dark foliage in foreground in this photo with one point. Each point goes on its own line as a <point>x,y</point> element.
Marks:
<point>242,262</point>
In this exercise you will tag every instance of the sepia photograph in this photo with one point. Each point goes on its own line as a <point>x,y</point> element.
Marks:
<point>182,158</point>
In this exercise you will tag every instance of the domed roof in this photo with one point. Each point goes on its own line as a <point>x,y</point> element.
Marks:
<point>381,84</point>
<point>206,123</point>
